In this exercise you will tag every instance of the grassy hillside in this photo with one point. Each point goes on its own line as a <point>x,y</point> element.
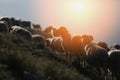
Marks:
<point>22,60</point>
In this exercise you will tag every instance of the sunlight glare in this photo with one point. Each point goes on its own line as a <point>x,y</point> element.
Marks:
<point>93,17</point>
<point>78,7</point>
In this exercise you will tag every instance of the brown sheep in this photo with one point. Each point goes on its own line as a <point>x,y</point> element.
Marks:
<point>76,48</point>
<point>66,44</point>
<point>66,37</point>
<point>48,32</point>
<point>37,27</point>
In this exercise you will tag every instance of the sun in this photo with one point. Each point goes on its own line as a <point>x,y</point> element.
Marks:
<point>78,7</point>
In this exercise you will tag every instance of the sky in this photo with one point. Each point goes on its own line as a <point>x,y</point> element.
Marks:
<point>100,18</point>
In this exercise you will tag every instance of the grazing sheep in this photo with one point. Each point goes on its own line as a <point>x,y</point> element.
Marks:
<point>37,27</point>
<point>19,22</point>
<point>12,21</point>
<point>48,29</point>
<point>48,32</point>
<point>55,33</point>
<point>17,30</point>
<point>62,30</point>
<point>76,47</point>
<point>57,44</point>
<point>26,24</point>
<point>97,57</point>
<point>103,45</point>
<point>61,37</point>
<point>15,22</point>
<point>7,20</point>
<point>115,46</point>
<point>37,30</point>
<point>86,39</point>
<point>52,31</point>
<point>48,41</point>
<point>4,26</point>
<point>76,50</point>
<point>114,63</point>
<point>66,43</point>
<point>39,40</point>
<point>66,37</point>
<point>56,41</point>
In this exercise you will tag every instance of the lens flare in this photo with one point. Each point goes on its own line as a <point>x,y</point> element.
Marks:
<point>94,17</point>
<point>77,7</point>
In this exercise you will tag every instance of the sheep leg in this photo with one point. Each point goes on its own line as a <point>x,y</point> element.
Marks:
<point>113,76</point>
<point>99,72</point>
<point>67,55</point>
<point>117,76</point>
<point>105,73</point>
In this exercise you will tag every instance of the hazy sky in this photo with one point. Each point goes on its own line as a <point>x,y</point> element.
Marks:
<point>100,18</point>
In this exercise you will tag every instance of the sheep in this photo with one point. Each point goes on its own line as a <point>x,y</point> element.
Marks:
<point>76,47</point>
<point>57,44</point>
<point>16,22</point>
<point>49,42</point>
<point>86,39</point>
<point>17,30</point>
<point>66,44</point>
<point>103,45</point>
<point>66,37</point>
<point>19,22</point>
<point>13,21</point>
<point>48,29</point>
<point>7,20</point>
<point>97,57</point>
<point>39,40</point>
<point>114,63</point>
<point>48,32</point>
<point>4,27</point>
<point>62,30</point>
<point>37,27</point>
<point>26,24</point>
<point>115,46</point>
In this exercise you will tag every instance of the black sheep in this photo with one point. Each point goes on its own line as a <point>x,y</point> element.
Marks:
<point>4,27</point>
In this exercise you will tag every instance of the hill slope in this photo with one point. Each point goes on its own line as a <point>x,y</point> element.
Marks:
<point>22,60</point>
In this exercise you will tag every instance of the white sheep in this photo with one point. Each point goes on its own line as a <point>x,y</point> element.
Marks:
<point>17,30</point>
<point>97,57</point>
<point>114,63</point>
